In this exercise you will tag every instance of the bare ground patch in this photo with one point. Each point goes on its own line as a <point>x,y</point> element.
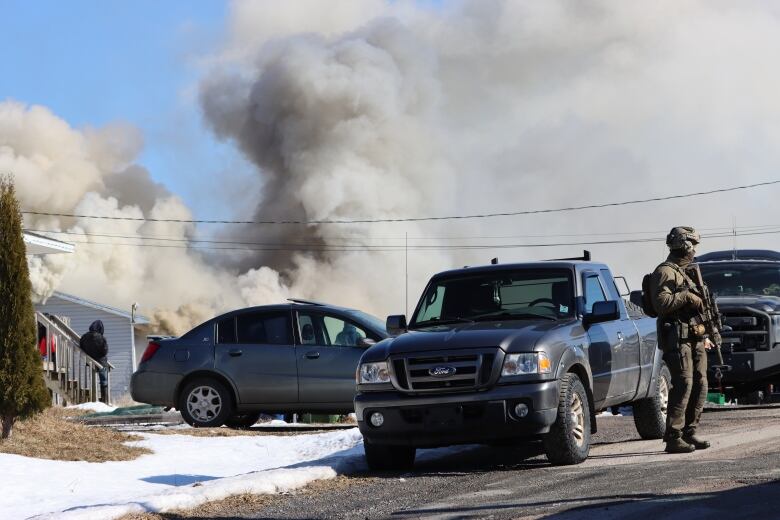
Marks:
<point>50,435</point>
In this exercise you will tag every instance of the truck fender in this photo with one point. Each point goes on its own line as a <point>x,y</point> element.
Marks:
<point>657,361</point>
<point>574,359</point>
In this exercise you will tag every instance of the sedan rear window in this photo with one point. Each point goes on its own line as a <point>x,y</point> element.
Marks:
<point>264,328</point>
<point>226,330</point>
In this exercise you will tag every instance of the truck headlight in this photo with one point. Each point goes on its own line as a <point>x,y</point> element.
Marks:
<point>370,373</point>
<point>531,363</point>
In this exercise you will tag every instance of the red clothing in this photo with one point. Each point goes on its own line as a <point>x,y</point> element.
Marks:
<point>52,344</point>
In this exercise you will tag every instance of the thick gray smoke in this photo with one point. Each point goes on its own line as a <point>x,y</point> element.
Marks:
<point>397,110</point>
<point>374,109</point>
<point>59,169</point>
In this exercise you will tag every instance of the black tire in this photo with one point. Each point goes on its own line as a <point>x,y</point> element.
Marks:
<point>205,403</point>
<point>568,441</point>
<point>389,458</point>
<point>650,413</point>
<point>243,421</point>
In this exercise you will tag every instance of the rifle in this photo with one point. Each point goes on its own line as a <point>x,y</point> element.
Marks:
<point>708,323</point>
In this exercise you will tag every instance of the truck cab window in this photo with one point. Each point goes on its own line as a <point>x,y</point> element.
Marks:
<point>593,292</point>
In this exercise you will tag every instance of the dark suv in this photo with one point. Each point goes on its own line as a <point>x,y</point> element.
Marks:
<point>296,357</point>
<point>746,284</point>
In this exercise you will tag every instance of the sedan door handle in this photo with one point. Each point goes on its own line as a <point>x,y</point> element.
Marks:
<point>235,352</point>
<point>312,355</point>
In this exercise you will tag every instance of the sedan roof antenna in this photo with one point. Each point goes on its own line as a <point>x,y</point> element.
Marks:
<point>494,261</point>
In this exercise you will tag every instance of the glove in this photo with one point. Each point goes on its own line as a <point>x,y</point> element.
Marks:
<point>694,301</point>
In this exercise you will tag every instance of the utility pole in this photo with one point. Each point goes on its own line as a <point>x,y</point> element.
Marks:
<point>734,234</point>
<point>406,261</point>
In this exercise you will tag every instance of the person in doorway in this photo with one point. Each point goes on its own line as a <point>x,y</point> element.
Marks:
<point>96,347</point>
<point>52,347</point>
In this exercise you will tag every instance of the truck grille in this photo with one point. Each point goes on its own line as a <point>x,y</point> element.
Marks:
<point>749,330</point>
<point>471,369</point>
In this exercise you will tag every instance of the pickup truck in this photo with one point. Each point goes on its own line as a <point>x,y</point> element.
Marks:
<point>508,353</point>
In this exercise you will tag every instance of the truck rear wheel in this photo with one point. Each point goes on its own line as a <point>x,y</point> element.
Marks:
<point>650,413</point>
<point>568,441</point>
<point>388,458</point>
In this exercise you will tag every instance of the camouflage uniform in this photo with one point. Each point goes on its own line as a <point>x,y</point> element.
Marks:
<point>684,353</point>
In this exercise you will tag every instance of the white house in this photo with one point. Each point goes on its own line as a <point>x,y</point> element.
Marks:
<point>124,331</point>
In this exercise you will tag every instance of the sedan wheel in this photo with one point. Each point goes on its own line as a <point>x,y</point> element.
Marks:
<point>205,403</point>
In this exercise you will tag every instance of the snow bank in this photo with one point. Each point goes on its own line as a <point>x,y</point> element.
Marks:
<point>94,407</point>
<point>184,471</point>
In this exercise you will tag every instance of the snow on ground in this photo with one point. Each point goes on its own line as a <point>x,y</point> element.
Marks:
<point>184,471</point>
<point>94,407</point>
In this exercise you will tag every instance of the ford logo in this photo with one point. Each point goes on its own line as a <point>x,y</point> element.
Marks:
<point>442,371</point>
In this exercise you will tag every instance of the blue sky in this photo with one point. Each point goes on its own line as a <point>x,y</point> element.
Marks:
<point>94,62</point>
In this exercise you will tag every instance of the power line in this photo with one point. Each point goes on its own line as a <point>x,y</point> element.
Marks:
<point>413,219</point>
<point>360,244</point>
<point>291,248</point>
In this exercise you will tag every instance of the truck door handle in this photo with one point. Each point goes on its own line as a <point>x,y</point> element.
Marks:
<point>312,355</point>
<point>235,352</point>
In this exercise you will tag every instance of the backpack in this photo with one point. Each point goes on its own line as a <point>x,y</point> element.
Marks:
<point>647,298</point>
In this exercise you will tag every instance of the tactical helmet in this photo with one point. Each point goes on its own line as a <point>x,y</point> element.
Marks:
<point>683,237</point>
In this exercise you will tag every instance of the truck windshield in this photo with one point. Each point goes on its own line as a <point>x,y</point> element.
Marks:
<point>506,295</point>
<point>735,279</point>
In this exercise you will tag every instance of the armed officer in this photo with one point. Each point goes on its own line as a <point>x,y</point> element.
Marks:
<point>683,350</point>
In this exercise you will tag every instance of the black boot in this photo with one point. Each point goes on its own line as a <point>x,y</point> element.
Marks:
<point>675,444</point>
<point>690,437</point>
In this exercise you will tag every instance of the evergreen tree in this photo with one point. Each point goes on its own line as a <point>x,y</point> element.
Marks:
<point>22,388</point>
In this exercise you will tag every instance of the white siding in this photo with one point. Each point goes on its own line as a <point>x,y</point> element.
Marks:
<point>118,333</point>
<point>140,344</point>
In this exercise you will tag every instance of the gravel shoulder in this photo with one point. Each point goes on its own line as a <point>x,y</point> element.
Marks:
<point>624,476</point>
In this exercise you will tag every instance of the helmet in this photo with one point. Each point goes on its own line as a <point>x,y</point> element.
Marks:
<point>683,237</point>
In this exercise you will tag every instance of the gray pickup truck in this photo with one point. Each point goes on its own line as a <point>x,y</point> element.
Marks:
<point>510,352</point>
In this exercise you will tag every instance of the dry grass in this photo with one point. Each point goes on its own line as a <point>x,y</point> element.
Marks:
<point>228,432</point>
<point>50,435</point>
<point>246,505</point>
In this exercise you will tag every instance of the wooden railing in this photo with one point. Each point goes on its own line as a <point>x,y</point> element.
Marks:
<point>70,374</point>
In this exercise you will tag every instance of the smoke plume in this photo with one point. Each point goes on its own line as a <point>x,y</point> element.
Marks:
<point>368,109</point>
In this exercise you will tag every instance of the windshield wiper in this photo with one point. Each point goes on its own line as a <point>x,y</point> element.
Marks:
<point>512,316</point>
<point>434,322</point>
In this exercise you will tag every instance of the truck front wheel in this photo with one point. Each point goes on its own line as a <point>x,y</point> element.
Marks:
<point>650,413</point>
<point>568,441</point>
<point>388,458</point>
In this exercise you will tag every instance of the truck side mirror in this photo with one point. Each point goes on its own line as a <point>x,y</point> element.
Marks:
<point>602,311</point>
<point>396,324</point>
<point>636,298</point>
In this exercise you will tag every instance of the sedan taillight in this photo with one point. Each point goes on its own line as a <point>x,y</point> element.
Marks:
<point>151,350</point>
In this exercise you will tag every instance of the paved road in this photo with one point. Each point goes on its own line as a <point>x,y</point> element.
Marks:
<point>624,477</point>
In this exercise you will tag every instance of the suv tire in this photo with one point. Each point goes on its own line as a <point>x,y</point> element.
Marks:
<point>205,403</point>
<point>568,441</point>
<point>650,413</point>
<point>243,421</point>
<point>388,458</point>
